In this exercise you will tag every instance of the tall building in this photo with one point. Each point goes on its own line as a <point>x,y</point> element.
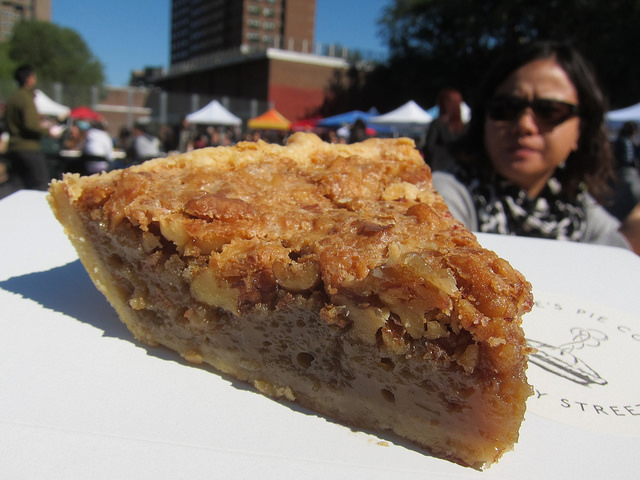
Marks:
<point>202,27</point>
<point>14,11</point>
<point>252,49</point>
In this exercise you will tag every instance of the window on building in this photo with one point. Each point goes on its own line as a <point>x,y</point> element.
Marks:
<point>267,39</point>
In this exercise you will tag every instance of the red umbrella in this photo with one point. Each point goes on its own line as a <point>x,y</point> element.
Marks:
<point>306,124</point>
<point>84,113</point>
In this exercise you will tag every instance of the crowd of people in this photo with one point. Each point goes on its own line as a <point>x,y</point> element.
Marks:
<point>33,149</point>
<point>534,160</point>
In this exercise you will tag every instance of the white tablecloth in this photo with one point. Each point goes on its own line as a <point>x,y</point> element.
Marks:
<point>80,398</point>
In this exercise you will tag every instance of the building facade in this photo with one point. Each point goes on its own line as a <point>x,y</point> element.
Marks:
<point>14,11</point>
<point>203,27</point>
<point>258,49</point>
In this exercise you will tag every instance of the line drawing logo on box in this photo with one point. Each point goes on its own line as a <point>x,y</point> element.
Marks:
<point>561,361</point>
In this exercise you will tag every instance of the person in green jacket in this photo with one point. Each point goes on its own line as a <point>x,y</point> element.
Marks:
<point>28,164</point>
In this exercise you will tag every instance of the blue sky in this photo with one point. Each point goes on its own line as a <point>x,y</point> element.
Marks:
<point>127,35</point>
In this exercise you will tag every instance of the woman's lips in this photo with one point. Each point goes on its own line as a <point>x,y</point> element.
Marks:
<point>522,150</point>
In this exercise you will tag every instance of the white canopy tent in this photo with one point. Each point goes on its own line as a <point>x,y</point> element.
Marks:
<point>409,114</point>
<point>213,114</point>
<point>409,119</point>
<point>627,114</point>
<point>615,118</point>
<point>49,107</point>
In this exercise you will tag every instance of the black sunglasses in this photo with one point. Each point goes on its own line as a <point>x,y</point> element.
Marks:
<point>510,108</point>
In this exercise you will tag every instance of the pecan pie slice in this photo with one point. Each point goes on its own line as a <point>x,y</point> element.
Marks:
<point>329,275</point>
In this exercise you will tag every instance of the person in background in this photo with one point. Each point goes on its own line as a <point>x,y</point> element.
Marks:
<point>536,157</point>
<point>626,185</point>
<point>168,139</point>
<point>185,137</point>
<point>124,139</point>
<point>626,146</point>
<point>444,131</point>
<point>358,131</point>
<point>6,187</point>
<point>201,139</point>
<point>98,148</point>
<point>28,164</point>
<point>72,138</point>
<point>144,145</point>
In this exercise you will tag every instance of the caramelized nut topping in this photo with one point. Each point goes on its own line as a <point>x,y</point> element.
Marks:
<point>218,207</point>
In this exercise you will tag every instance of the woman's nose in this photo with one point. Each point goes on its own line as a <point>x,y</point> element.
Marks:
<point>526,122</point>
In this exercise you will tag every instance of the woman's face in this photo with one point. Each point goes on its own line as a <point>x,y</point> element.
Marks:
<point>528,148</point>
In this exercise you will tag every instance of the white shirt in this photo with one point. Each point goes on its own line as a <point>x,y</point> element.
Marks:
<point>146,146</point>
<point>98,144</point>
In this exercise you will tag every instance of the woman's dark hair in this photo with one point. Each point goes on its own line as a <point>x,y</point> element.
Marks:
<point>591,164</point>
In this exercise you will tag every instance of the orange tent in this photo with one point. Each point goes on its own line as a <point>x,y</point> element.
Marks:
<point>270,120</point>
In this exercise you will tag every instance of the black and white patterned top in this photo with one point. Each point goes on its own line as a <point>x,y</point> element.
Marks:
<point>499,206</point>
<point>507,209</point>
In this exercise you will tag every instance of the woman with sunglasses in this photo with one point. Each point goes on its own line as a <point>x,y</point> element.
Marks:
<point>536,158</point>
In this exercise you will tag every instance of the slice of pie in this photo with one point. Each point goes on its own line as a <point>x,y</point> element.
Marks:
<point>330,275</point>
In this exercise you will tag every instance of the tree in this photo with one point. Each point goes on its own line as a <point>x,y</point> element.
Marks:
<point>58,54</point>
<point>6,64</point>
<point>438,43</point>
